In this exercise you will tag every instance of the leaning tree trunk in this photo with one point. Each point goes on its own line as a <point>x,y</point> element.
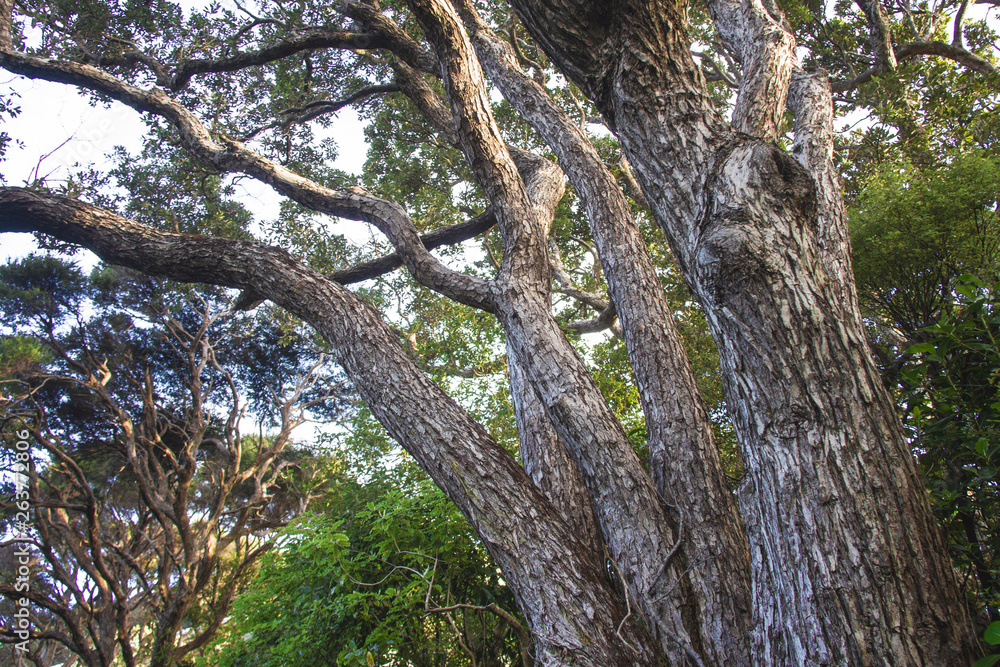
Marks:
<point>684,459</point>
<point>563,590</point>
<point>849,565</point>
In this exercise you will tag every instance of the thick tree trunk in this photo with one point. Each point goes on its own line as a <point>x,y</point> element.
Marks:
<point>849,566</point>
<point>631,513</point>
<point>684,460</point>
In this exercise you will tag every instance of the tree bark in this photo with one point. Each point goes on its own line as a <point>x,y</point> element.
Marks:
<point>847,562</point>
<point>849,566</point>
<point>684,459</point>
<point>548,464</point>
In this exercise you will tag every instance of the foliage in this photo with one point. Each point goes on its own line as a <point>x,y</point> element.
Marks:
<point>374,580</point>
<point>149,507</point>
<point>916,230</point>
<point>360,577</point>
<point>8,108</point>
<point>952,399</point>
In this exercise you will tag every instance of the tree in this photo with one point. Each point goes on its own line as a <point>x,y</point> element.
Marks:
<point>951,399</point>
<point>395,577</point>
<point>832,554</point>
<point>919,235</point>
<point>148,506</point>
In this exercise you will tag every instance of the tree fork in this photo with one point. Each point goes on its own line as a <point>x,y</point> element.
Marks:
<point>547,567</point>
<point>839,576</point>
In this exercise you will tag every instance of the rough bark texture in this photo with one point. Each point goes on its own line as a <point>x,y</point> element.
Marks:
<point>631,513</point>
<point>685,463</point>
<point>849,566</point>
<point>847,563</point>
<point>548,464</point>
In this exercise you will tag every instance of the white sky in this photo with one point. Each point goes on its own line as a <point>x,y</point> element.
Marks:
<point>59,132</point>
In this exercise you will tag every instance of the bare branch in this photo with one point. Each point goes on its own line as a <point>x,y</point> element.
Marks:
<point>433,108</point>
<point>605,320</point>
<point>305,40</point>
<point>451,235</point>
<point>394,38</point>
<point>956,39</point>
<point>313,110</point>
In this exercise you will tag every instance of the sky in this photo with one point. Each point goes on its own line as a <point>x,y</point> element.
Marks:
<point>59,131</point>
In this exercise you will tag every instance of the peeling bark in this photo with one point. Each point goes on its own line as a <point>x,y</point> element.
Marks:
<point>833,505</point>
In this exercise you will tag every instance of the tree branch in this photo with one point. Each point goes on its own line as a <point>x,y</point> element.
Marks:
<point>233,156</point>
<point>605,320</point>
<point>313,110</point>
<point>481,141</point>
<point>760,36</point>
<point>394,38</point>
<point>956,39</point>
<point>307,40</point>
<point>451,235</point>
<point>914,49</point>
<point>881,35</point>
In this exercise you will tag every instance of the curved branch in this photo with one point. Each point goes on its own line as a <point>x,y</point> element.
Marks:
<point>313,110</point>
<point>315,38</point>
<point>450,235</point>
<point>960,55</point>
<point>395,38</point>
<point>605,320</point>
<point>480,477</point>
<point>229,155</point>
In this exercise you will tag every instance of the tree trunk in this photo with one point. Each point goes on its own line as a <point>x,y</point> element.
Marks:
<point>849,565</point>
<point>684,460</point>
<point>564,593</point>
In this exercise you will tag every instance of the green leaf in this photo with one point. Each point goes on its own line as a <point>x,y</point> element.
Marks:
<point>981,446</point>
<point>992,634</point>
<point>988,661</point>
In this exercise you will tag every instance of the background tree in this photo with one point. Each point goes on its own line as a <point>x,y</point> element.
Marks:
<point>833,554</point>
<point>149,505</point>
<point>381,576</point>
<point>951,403</point>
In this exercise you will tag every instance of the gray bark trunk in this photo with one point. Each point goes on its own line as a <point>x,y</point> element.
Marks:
<point>685,464</point>
<point>849,566</point>
<point>548,464</point>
